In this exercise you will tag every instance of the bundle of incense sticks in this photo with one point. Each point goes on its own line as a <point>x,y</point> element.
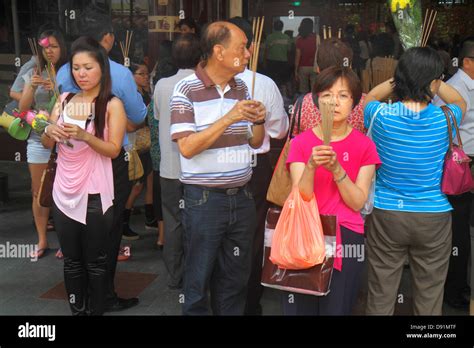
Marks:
<point>430,16</point>
<point>257,29</point>
<point>35,52</point>
<point>327,119</point>
<point>125,47</point>
<point>328,34</point>
<point>51,70</point>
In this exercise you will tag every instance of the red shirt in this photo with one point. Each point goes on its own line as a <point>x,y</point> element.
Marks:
<point>307,46</point>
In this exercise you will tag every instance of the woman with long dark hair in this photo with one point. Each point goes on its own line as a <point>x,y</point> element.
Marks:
<point>38,93</point>
<point>94,121</point>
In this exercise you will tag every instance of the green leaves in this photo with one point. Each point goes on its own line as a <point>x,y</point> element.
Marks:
<point>407,19</point>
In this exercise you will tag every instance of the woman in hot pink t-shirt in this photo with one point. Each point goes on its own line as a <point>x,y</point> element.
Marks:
<point>339,175</point>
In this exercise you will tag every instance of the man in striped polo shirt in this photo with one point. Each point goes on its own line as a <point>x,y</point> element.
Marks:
<point>216,125</point>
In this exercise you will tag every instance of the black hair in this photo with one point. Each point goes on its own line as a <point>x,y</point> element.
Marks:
<point>95,50</point>
<point>306,27</point>
<point>62,46</point>
<point>245,26</point>
<point>216,36</point>
<point>278,25</point>
<point>189,22</point>
<point>166,66</point>
<point>96,24</point>
<point>383,45</point>
<point>186,51</point>
<point>467,50</point>
<point>135,66</point>
<point>390,26</point>
<point>349,30</point>
<point>416,69</point>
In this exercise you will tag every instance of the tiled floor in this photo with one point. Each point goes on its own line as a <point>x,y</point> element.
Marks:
<point>23,282</point>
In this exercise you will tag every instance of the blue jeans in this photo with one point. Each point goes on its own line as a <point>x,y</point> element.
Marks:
<point>218,235</point>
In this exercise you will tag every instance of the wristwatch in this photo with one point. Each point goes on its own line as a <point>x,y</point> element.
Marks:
<point>258,123</point>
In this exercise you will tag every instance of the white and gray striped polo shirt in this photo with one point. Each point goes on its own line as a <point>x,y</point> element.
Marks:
<point>195,105</point>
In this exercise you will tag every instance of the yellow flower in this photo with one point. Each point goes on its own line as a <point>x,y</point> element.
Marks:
<point>402,4</point>
<point>38,117</point>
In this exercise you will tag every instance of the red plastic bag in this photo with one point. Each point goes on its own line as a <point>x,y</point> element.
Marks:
<point>298,241</point>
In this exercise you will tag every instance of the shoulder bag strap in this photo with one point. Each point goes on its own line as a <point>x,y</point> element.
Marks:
<point>296,117</point>
<point>369,131</point>
<point>458,134</point>
<point>450,130</point>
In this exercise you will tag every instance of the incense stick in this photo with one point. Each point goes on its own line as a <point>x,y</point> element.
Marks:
<point>125,47</point>
<point>423,28</point>
<point>430,28</point>
<point>324,33</point>
<point>256,49</point>
<point>35,52</point>
<point>327,119</point>
<point>430,17</point>
<point>52,77</point>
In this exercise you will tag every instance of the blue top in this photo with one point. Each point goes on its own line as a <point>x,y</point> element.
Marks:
<point>412,146</point>
<point>123,87</point>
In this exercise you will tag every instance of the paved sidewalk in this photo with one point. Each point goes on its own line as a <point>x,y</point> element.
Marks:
<point>23,281</point>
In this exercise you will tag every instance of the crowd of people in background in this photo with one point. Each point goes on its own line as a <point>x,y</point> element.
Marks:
<point>197,104</point>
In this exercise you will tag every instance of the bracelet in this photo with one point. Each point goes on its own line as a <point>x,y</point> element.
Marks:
<point>46,130</point>
<point>341,178</point>
<point>258,123</point>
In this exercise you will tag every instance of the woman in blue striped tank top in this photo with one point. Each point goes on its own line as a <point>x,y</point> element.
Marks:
<point>412,217</point>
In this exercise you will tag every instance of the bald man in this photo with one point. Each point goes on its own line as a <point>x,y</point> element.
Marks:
<point>216,125</point>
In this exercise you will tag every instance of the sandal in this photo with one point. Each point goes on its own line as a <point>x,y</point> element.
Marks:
<point>39,253</point>
<point>59,254</point>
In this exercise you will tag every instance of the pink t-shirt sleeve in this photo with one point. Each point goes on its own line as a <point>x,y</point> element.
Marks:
<point>296,153</point>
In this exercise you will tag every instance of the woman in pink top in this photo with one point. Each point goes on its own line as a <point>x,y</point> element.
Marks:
<point>339,175</point>
<point>94,122</point>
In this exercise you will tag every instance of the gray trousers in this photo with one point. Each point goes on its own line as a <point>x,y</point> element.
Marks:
<point>173,250</point>
<point>426,239</point>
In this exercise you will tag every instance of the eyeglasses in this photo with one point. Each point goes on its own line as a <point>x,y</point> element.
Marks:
<point>328,97</point>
